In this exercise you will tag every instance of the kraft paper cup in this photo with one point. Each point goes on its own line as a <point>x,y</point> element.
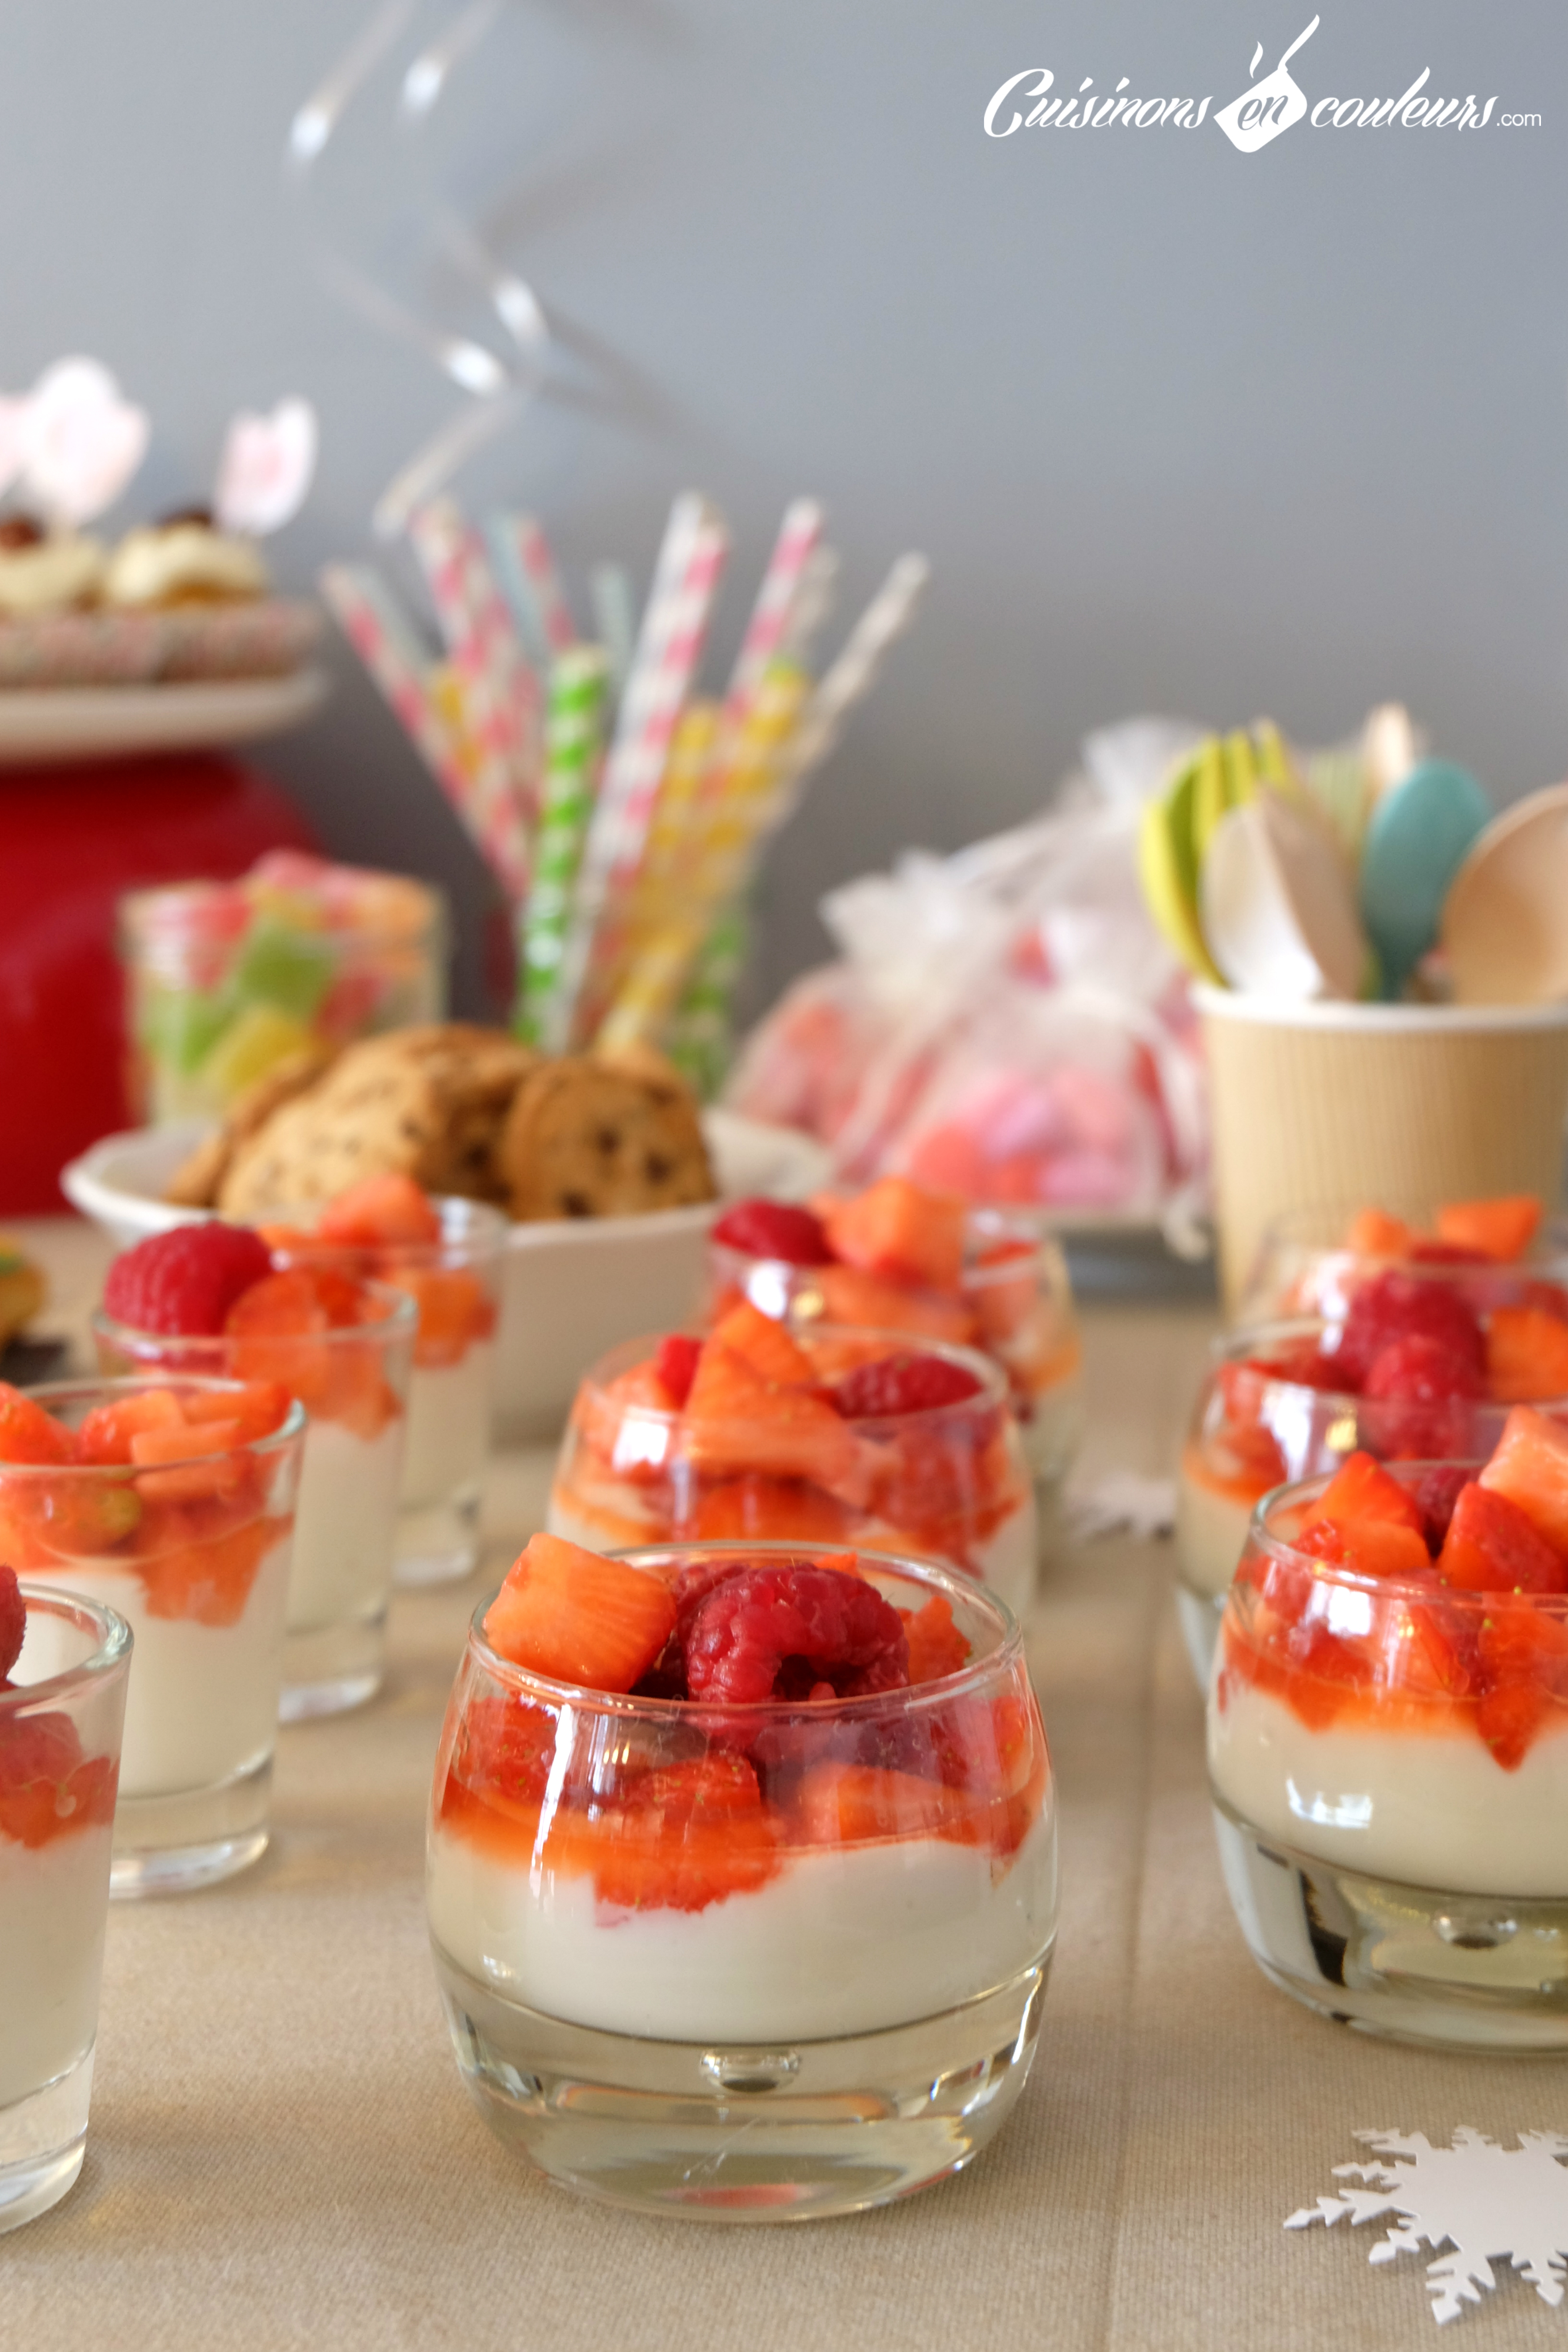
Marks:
<point>1394,1105</point>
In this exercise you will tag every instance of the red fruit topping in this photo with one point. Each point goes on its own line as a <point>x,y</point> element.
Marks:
<point>765,1346</point>
<point>936,1646</point>
<point>187,1280</point>
<point>1374,1233</point>
<point>1501,1230</point>
<point>897,1229</point>
<point>13,1621</point>
<point>1490,1547</point>
<point>1301,1361</point>
<point>1530,1465</point>
<point>1527,1355</point>
<point>383,1211</point>
<point>28,1433</point>
<point>1400,1306</point>
<point>767,1633</point>
<point>1426,1253</point>
<point>1435,1495</point>
<point>1378,1520</point>
<point>774,1229</point>
<point>1419,1370</point>
<point>736,1420</point>
<point>897,1384</point>
<point>46,1788</point>
<point>877,1304</point>
<point>675,1365</point>
<point>568,1615</point>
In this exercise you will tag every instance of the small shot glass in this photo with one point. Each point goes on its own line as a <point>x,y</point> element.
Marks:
<point>193,1553</point>
<point>352,1383</point>
<point>60,1721</point>
<point>454,1284</point>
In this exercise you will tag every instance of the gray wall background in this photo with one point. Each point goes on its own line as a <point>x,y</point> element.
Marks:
<point>1182,430</point>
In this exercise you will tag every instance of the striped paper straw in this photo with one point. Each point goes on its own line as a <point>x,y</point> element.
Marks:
<point>669,648</point>
<point>574,739</point>
<point>615,618</point>
<point>813,607</point>
<point>533,584</point>
<point>798,535</point>
<point>377,627</point>
<point>854,674</point>
<point>478,628</point>
<point>701,1039</point>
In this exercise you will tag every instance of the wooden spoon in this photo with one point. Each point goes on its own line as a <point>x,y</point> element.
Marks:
<point>1505,921</point>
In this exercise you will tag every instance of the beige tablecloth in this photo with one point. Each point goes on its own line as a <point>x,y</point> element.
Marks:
<point>281,2153</point>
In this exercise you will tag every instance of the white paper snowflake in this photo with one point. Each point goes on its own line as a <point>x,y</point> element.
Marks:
<point>1486,2201</point>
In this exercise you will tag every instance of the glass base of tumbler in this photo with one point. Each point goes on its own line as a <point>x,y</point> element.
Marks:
<point>171,1845</point>
<point>42,2140</point>
<point>1484,1972</point>
<point>438,1543</point>
<point>756,2134</point>
<point>331,1668</point>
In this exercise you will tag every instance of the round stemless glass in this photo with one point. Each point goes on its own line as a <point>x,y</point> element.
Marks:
<point>59,1754</point>
<point>1388,1761</point>
<point>755,1963</point>
<point>454,1284</point>
<point>1304,1266</point>
<point>193,1555</point>
<point>948,1484</point>
<point>1015,1307</point>
<point>1250,1434</point>
<point>352,1383</point>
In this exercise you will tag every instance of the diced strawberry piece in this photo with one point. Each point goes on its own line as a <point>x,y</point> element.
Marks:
<point>1491,1546</point>
<point>202,1464</point>
<point>1374,1233</point>
<point>626,1422</point>
<point>683,1836</point>
<point>676,1365</point>
<point>453,1308</point>
<point>1527,1356</point>
<point>1397,1306</point>
<point>765,1346</point>
<point>872,1302</point>
<point>774,1229</point>
<point>505,1746</point>
<point>343,1299</point>
<point>1549,1298</point>
<point>257,1407</point>
<point>568,1615</point>
<point>48,1788</point>
<point>1436,1493</point>
<point>28,1433</point>
<point>936,1646</point>
<point>106,1433</point>
<point>1521,1642</point>
<point>857,1804</point>
<point>785,1631</point>
<point>1530,1465</point>
<point>385,1210</point>
<point>1501,1230</point>
<point>1301,1362</point>
<point>895,1228</point>
<point>735,1420</point>
<point>763,1510</point>
<point>281,1306</point>
<point>185,1281</point>
<point>1378,1520</point>
<point>13,1621</point>
<point>1508,1717</point>
<point>1320,1540</point>
<point>903,1383</point>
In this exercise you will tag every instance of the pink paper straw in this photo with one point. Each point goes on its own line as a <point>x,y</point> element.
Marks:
<point>537,566</point>
<point>502,692</point>
<point>669,649</point>
<point>765,631</point>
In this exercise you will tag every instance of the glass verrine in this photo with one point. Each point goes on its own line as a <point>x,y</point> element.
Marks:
<point>1015,1306</point>
<point>454,1284</point>
<point>60,1723</point>
<point>948,1483</point>
<point>1388,1758</point>
<point>193,1551</point>
<point>1254,1429</point>
<point>747,1963</point>
<point>351,1381</point>
<point>1305,1265</point>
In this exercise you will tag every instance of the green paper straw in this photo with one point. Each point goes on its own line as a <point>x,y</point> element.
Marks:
<point>574,745</point>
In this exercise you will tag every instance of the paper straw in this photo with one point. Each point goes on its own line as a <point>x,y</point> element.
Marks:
<point>615,617</point>
<point>669,648</point>
<point>692,753</point>
<point>377,627</point>
<point>701,1040</point>
<point>854,674</point>
<point>813,607</point>
<point>479,636</point>
<point>798,534</point>
<point>532,584</point>
<point>573,740</point>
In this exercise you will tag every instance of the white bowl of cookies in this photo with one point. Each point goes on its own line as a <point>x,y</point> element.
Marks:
<point>610,1174</point>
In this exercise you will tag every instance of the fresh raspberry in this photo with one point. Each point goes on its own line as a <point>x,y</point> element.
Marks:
<point>1418,1371</point>
<point>903,1383</point>
<point>1301,1362</point>
<point>13,1623</point>
<point>185,1281</point>
<point>1436,1496</point>
<point>1402,1306</point>
<point>676,1365</point>
<point>1416,1401</point>
<point>794,1634</point>
<point>774,1229</point>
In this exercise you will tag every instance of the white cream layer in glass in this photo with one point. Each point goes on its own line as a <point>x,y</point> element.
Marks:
<point>53,1900</point>
<point>345,1523</point>
<point>448,1410</point>
<point>202,1701</point>
<point>843,1941</point>
<point>1430,1809</point>
<point>1211,1532</point>
<point>1050,1435</point>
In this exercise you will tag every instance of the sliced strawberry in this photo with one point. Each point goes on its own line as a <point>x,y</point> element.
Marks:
<point>1436,1493</point>
<point>28,1433</point>
<point>1501,1229</point>
<point>568,1615</point>
<point>680,1838</point>
<point>1527,1356</point>
<point>872,1302</point>
<point>1530,1465</point>
<point>1378,1520</point>
<point>895,1228</point>
<point>206,1578</point>
<point>774,1229</point>
<point>1374,1233</point>
<point>13,1621</point>
<point>765,1346</point>
<point>387,1210</point>
<point>675,1365</point>
<point>860,1804</point>
<point>1491,1546</point>
<point>106,1433</point>
<point>903,1383</point>
<point>257,1407</point>
<point>453,1308</point>
<point>735,1420</point>
<point>281,1306</point>
<point>1508,1717</point>
<point>763,1510</point>
<point>936,1646</point>
<point>48,1788</point>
